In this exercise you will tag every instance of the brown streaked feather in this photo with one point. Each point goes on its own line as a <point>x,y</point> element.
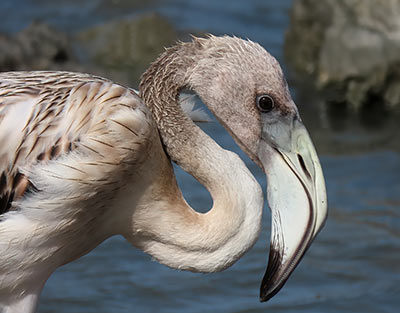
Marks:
<point>3,183</point>
<point>57,110</point>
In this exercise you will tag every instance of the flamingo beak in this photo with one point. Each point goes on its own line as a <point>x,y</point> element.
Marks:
<point>296,196</point>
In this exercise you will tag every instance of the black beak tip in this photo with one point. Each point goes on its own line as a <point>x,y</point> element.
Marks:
<point>272,281</point>
<point>264,297</point>
<point>266,293</point>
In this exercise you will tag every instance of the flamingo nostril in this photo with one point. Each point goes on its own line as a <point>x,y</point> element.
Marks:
<point>303,166</point>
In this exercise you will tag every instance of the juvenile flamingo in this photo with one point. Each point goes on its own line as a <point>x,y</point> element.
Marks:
<point>83,159</point>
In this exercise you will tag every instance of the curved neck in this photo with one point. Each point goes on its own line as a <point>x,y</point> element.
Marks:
<point>174,233</point>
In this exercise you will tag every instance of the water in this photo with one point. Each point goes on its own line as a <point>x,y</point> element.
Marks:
<point>353,266</point>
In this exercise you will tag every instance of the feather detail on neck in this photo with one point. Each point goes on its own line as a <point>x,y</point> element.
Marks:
<point>176,235</point>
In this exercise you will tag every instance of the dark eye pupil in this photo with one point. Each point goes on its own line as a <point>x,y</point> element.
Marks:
<point>265,103</point>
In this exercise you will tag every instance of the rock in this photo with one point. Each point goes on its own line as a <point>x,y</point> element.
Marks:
<point>128,45</point>
<point>120,50</point>
<point>349,46</point>
<point>38,46</point>
<point>10,53</point>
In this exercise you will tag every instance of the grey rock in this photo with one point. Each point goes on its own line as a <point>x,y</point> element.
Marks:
<point>36,47</point>
<point>120,50</point>
<point>350,46</point>
<point>128,46</point>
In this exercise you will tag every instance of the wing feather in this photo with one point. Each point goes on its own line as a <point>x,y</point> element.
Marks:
<point>46,116</point>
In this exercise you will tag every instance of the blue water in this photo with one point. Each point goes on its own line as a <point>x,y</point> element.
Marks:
<point>353,265</point>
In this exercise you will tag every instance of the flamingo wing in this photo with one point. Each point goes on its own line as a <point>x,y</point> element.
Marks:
<point>66,127</point>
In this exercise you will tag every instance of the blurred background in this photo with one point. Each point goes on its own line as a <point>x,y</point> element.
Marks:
<point>342,61</point>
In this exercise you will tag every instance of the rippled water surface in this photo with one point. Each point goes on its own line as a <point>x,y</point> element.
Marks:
<point>354,264</point>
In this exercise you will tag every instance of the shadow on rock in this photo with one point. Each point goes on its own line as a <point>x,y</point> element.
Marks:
<point>38,46</point>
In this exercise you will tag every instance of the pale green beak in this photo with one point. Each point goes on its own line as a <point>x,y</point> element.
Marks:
<point>296,197</point>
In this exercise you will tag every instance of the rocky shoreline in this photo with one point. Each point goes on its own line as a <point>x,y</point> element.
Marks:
<point>38,46</point>
<point>350,48</point>
<point>120,50</point>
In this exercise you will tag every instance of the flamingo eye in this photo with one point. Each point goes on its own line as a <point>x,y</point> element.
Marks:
<point>265,103</point>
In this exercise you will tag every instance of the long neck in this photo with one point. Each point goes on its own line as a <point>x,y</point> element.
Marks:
<point>175,234</point>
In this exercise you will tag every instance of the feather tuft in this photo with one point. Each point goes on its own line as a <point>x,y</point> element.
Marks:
<point>188,102</point>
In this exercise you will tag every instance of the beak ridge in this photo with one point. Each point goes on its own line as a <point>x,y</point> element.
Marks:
<point>297,199</point>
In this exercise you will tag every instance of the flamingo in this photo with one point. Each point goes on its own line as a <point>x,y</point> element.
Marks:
<point>83,159</point>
